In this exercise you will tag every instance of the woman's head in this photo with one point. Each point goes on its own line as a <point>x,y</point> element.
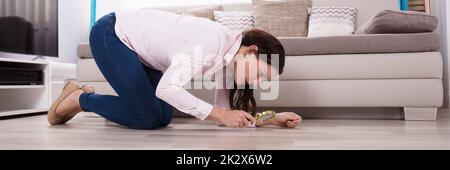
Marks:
<point>260,57</point>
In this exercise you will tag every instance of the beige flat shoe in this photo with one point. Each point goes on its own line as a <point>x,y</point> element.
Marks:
<point>87,89</point>
<point>55,118</point>
<point>70,115</point>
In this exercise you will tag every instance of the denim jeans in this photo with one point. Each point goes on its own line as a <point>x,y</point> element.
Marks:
<point>136,105</point>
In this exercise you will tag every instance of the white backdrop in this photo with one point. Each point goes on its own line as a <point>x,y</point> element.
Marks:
<point>73,28</point>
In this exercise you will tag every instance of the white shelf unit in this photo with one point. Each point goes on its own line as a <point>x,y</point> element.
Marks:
<point>23,87</point>
<point>25,99</point>
<point>5,113</point>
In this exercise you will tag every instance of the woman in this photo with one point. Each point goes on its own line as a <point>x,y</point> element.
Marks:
<point>132,48</point>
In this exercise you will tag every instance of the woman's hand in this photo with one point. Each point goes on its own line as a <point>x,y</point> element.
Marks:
<point>231,118</point>
<point>287,119</point>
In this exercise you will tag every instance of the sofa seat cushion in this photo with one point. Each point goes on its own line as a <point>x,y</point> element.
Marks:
<point>336,93</point>
<point>349,93</point>
<point>422,65</point>
<point>354,44</point>
<point>361,44</point>
<point>425,65</point>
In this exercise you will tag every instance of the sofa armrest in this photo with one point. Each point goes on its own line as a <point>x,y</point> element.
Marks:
<point>84,51</point>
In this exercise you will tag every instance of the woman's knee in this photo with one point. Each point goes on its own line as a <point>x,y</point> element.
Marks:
<point>148,121</point>
<point>145,126</point>
<point>168,114</point>
<point>166,122</point>
<point>152,124</point>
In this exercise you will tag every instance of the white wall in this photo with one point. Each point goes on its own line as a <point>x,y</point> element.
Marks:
<point>73,28</point>
<point>443,8</point>
<point>440,8</point>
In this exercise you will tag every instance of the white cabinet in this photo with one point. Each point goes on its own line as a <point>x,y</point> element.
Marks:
<point>25,99</point>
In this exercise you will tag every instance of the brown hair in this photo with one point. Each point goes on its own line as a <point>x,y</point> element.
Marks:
<point>243,99</point>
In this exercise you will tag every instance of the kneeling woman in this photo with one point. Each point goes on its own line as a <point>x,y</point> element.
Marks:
<point>133,48</point>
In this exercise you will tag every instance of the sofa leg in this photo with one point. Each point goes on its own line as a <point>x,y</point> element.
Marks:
<point>420,113</point>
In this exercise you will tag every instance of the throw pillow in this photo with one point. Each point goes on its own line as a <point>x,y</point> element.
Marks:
<point>236,21</point>
<point>390,21</point>
<point>282,18</point>
<point>204,12</point>
<point>331,21</point>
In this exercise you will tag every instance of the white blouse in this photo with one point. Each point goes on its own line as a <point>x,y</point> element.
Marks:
<point>183,47</point>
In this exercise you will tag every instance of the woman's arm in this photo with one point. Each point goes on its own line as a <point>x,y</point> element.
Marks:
<point>264,123</point>
<point>285,119</point>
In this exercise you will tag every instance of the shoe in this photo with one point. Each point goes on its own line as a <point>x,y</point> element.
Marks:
<point>87,89</point>
<point>55,118</point>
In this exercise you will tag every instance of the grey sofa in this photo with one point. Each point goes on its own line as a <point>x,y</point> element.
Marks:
<point>394,71</point>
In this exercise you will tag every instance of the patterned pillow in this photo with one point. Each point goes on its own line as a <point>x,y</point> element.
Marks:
<point>331,21</point>
<point>282,18</point>
<point>236,21</point>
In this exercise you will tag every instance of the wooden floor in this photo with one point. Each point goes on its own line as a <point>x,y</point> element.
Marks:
<point>91,132</point>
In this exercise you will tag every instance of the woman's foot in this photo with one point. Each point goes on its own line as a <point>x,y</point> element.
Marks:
<point>67,105</point>
<point>74,102</point>
<point>70,107</point>
<point>88,89</point>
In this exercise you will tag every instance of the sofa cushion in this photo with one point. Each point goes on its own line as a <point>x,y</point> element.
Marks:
<point>361,43</point>
<point>335,93</point>
<point>331,21</point>
<point>236,21</point>
<point>391,21</point>
<point>426,65</point>
<point>282,18</point>
<point>84,50</point>
<point>366,8</point>
<point>88,71</point>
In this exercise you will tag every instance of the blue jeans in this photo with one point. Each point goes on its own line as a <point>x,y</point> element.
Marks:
<point>136,105</point>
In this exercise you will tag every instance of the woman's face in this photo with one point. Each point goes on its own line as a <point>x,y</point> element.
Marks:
<point>251,70</point>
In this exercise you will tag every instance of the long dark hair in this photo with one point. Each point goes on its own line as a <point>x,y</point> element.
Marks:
<point>243,99</point>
